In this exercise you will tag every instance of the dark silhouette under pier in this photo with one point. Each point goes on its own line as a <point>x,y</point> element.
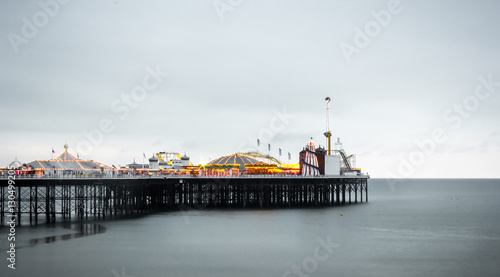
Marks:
<point>66,199</point>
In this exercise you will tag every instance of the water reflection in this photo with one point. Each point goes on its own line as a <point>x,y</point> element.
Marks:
<point>82,230</point>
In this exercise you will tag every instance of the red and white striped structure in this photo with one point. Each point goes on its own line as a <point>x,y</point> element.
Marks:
<point>310,162</point>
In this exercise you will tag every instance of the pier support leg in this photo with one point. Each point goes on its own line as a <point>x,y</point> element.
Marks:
<point>2,204</point>
<point>366,190</point>
<point>350,190</point>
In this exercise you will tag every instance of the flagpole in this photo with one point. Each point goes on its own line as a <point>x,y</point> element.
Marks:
<point>268,152</point>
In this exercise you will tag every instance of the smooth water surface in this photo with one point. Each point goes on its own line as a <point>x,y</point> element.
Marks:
<point>413,228</point>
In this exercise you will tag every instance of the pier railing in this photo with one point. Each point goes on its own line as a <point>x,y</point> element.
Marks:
<point>147,176</point>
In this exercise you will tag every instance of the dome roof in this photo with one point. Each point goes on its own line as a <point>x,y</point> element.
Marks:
<point>134,163</point>
<point>233,159</point>
<point>163,163</point>
<point>310,146</point>
<point>153,159</point>
<point>15,163</point>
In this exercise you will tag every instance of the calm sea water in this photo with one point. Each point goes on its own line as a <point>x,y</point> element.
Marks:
<point>415,228</point>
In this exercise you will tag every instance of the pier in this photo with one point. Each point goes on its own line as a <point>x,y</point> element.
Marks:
<point>47,200</point>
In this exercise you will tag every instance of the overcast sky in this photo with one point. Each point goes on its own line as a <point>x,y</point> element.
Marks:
<point>238,70</point>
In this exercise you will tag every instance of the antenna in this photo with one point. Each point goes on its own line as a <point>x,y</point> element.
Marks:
<point>328,134</point>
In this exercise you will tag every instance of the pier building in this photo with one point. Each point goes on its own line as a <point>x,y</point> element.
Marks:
<point>64,165</point>
<point>67,187</point>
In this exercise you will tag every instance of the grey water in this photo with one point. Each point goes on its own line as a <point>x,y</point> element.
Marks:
<point>418,227</point>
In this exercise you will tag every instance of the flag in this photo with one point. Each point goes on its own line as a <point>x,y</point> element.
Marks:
<point>258,142</point>
<point>289,156</point>
<point>269,146</point>
<point>77,155</point>
<point>53,151</point>
<point>280,152</point>
<point>144,155</point>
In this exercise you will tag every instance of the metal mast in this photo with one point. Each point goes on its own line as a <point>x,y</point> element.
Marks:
<point>328,134</point>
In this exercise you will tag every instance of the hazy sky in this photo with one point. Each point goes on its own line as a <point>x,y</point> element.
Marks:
<point>396,72</point>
